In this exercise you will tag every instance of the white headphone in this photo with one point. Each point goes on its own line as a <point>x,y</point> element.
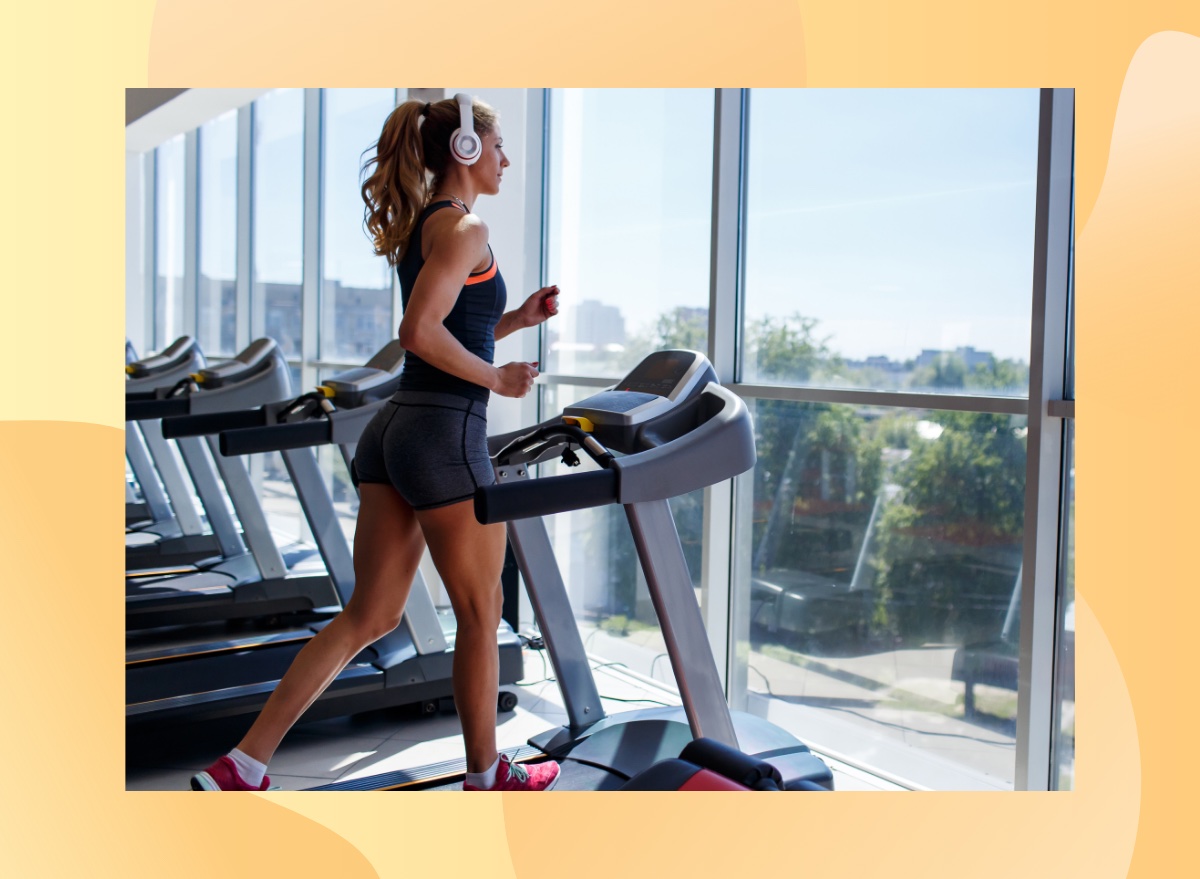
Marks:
<point>465,144</point>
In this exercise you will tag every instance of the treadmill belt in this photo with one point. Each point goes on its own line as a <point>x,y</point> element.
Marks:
<point>581,776</point>
<point>574,776</point>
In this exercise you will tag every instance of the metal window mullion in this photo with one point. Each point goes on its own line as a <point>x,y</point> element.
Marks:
<point>191,229</point>
<point>534,234</point>
<point>1035,694</point>
<point>725,253</point>
<point>311,278</point>
<point>716,575</point>
<point>258,303</point>
<point>398,97</point>
<point>245,225</point>
<point>543,273</point>
<point>898,399</point>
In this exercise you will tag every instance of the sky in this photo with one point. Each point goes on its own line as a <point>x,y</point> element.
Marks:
<point>899,219</point>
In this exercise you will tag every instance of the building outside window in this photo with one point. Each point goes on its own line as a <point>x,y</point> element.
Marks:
<point>278,238</point>
<point>356,290</point>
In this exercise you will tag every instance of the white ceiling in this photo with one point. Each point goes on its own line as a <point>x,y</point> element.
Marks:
<point>156,115</point>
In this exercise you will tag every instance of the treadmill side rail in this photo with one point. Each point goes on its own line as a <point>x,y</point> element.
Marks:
<point>671,591</point>
<point>548,595</point>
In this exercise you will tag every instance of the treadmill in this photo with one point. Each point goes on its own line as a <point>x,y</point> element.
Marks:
<point>166,515</point>
<point>248,578</point>
<point>188,677</point>
<point>666,429</point>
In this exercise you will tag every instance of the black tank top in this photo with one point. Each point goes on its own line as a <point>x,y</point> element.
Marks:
<point>472,320</point>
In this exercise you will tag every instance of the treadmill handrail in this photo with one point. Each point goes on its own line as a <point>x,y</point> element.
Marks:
<point>276,437</point>
<point>213,422</point>
<point>718,446</point>
<point>543,497</point>
<point>149,410</point>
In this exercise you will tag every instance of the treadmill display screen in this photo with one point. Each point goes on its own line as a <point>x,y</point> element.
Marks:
<point>659,373</point>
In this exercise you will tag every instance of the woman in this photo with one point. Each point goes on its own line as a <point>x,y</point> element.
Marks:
<point>423,455</point>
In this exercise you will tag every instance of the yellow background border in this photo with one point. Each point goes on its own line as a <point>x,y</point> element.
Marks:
<point>1136,69</point>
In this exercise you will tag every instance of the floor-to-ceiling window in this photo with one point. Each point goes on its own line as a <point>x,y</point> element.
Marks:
<point>883,300</point>
<point>877,320</point>
<point>170,206</point>
<point>356,287</point>
<point>630,206</point>
<point>889,246</point>
<point>216,292</point>
<point>278,232</point>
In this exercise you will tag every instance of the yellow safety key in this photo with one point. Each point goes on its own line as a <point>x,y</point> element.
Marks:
<point>579,421</point>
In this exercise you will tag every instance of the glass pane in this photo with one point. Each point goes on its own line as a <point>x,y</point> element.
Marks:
<point>337,479</point>
<point>600,568</point>
<point>1065,744</point>
<point>282,506</point>
<point>884,554</point>
<point>279,216</point>
<point>216,303</point>
<point>168,241</point>
<point>892,231</point>
<point>278,494</point>
<point>356,293</point>
<point>629,238</point>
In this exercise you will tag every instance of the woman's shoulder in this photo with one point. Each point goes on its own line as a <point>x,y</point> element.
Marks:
<point>452,224</point>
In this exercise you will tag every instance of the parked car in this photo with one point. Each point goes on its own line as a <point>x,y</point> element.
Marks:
<point>803,603</point>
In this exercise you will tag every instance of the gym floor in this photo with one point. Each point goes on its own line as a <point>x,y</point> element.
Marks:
<point>344,748</point>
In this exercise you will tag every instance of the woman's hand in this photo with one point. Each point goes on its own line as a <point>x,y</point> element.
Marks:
<point>515,379</point>
<point>537,308</point>
<point>541,305</point>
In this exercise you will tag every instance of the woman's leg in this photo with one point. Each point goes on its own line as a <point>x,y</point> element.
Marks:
<point>387,549</point>
<point>469,557</point>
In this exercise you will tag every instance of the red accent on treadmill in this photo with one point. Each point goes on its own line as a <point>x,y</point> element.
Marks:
<point>706,779</point>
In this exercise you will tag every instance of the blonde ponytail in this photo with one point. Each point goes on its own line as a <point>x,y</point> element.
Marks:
<point>412,152</point>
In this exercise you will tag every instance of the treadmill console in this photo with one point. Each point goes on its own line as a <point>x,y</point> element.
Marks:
<point>661,382</point>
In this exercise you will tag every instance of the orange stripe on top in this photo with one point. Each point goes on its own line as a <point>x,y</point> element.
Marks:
<point>486,275</point>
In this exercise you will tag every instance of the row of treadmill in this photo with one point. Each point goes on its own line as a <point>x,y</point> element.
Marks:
<point>217,606</point>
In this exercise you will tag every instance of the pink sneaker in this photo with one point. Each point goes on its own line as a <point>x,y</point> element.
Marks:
<point>223,775</point>
<point>519,776</point>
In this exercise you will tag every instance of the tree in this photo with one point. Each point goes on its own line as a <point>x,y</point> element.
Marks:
<point>950,544</point>
<point>681,327</point>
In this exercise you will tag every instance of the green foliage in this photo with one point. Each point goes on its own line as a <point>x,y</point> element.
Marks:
<point>949,546</point>
<point>944,549</point>
<point>681,327</point>
<point>999,375</point>
<point>615,625</point>
<point>786,350</point>
<point>897,430</point>
<point>949,372</point>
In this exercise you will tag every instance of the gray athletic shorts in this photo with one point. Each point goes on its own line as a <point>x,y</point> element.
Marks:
<point>431,447</point>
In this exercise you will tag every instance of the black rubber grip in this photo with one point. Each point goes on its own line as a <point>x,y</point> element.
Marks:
<point>203,425</point>
<point>139,396</point>
<point>543,497</point>
<point>276,437</point>
<point>805,784</point>
<point>732,763</point>
<point>146,410</point>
